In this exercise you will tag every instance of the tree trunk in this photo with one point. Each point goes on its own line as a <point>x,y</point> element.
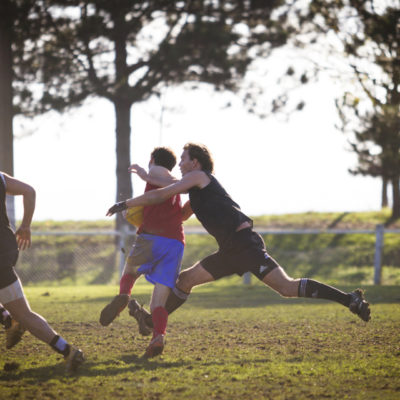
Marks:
<point>123,147</point>
<point>6,99</point>
<point>384,199</point>
<point>396,198</point>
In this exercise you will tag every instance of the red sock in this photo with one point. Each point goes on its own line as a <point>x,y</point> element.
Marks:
<point>160,318</point>
<point>126,284</point>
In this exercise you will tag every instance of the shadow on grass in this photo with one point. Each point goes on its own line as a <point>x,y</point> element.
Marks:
<point>111,368</point>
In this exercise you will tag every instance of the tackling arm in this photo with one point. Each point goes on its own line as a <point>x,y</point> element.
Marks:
<point>195,178</point>
<point>15,188</point>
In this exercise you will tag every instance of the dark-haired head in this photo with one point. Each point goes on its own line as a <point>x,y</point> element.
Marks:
<point>201,154</point>
<point>164,157</point>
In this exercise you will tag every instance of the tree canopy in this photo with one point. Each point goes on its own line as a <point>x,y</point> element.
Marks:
<point>125,51</point>
<point>369,34</point>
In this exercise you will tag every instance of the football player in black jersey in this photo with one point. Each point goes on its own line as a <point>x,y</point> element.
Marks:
<point>241,249</point>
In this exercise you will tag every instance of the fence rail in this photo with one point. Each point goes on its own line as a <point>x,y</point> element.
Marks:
<point>67,253</point>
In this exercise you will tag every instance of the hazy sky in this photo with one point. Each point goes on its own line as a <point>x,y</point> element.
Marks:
<point>268,166</point>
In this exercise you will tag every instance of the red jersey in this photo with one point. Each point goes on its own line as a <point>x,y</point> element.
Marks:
<point>164,219</point>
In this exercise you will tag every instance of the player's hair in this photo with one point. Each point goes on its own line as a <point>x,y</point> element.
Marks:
<point>202,154</point>
<point>164,157</point>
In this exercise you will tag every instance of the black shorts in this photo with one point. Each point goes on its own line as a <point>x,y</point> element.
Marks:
<point>7,273</point>
<point>246,253</point>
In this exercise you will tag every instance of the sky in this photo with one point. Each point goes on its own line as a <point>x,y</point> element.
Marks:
<point>269,166</point>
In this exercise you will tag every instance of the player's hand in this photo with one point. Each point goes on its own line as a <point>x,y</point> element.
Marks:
<point>137,169</point>
<point>23,235</point>
<point>117,207</point>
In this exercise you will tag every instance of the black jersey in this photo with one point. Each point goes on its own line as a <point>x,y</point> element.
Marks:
<point>216,211</point>
<point>7,237</point>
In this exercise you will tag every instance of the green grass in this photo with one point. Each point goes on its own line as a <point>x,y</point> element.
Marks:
<point>230,341</point>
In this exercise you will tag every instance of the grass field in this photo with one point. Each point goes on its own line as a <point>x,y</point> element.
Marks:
<point>230,341</point>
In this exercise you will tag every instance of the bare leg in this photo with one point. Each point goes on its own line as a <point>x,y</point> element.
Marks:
<point>187,279</point>
<point>33,322</point>
<point>159,296</point>
<point>279,281</point>
<point>192,277</point>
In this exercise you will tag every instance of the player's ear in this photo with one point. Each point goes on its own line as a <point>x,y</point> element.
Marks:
<point>196,163</point>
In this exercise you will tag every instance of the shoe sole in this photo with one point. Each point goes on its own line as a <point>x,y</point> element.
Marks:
<point>112,310</point>
<point>134,310</point>
<point>155,351</point>
<point>361,308</point>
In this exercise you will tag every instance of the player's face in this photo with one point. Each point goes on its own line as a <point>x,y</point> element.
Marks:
<point>186,164</point>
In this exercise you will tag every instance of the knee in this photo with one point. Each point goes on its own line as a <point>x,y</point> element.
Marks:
<point>184,282</point>
<point>288,288</point>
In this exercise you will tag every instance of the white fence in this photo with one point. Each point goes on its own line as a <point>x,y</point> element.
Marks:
<point>123,236</point>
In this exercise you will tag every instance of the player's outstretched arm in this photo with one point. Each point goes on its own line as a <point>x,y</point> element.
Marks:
<point>192,179</point>
<point>16,188</point>
<point>157,175</point>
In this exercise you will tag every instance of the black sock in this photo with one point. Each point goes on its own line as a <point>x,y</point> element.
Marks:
<point>175,299</point>
<point>317,290</point>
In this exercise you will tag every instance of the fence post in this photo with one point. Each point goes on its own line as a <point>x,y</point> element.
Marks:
<point>122,244</point>
<point>378,254</point>
<point>247,278</point>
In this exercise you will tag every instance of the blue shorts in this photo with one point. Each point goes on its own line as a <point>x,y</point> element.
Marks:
<point>159,258</point>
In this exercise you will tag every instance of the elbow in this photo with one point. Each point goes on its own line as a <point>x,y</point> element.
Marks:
<point>30,193</point>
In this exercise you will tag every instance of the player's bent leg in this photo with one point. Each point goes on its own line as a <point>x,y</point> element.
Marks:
<point>13,329</point>
<point>33,322</point>
<point>187,279</point>
<point>279,281</point>
<point>193,276</point>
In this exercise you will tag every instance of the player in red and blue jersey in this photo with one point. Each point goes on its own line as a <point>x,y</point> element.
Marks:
<point>157,254</point>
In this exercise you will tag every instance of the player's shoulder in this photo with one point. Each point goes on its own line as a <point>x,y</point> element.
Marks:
<point>159,171</point>
<point>198,178</point>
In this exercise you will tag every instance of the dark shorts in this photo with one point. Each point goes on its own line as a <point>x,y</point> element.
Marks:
<point>246,253</point>
<point>7,273</point>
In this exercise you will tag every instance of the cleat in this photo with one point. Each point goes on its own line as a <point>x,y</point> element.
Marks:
<point>112,310</point>
<point>74,359</point>
<point>155,347</point>
<point>140,314</point>
<point>14,334</point>
<point>359,306</point>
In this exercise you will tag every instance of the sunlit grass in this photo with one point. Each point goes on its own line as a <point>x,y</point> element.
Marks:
<point>230,341</point>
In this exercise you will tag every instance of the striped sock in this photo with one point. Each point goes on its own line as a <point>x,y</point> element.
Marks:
<point>318,290</point>
<point>175,299</point>
<point>126,284</point>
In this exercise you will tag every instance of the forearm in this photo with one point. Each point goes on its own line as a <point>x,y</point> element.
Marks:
<point>29,201</point>
<point>146,199</point>
<point>160,181</point>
